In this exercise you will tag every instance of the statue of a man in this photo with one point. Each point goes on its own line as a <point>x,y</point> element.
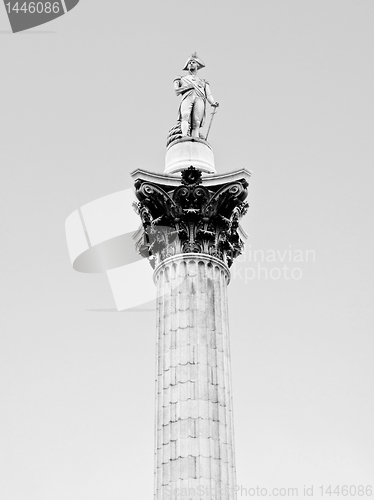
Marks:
<point>195,92</point>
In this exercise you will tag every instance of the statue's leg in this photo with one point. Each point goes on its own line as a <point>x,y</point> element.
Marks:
<point>186,107</point>
<point>197,116</point>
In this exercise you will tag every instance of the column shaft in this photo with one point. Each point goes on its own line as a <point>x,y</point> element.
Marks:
<point>194,450</point>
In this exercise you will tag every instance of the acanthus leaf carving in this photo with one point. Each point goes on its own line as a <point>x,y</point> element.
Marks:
<point>191,218</point>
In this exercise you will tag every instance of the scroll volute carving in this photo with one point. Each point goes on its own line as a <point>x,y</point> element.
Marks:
<point>190,218</point>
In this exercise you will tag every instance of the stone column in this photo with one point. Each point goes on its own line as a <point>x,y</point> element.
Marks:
<point>191,235</point>
<point>194,421</point>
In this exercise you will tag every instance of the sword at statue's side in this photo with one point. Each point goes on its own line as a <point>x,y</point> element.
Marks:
<point>211,119</point>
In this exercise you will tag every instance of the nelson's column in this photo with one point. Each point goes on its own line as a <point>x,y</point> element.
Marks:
<point>190,233</point>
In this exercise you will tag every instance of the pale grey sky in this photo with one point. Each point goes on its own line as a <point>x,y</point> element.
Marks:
<point>91,99</point>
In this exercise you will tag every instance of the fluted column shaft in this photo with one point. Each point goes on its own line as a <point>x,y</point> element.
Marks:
<point>194,449</point>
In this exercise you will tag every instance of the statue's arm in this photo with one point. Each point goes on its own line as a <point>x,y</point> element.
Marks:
<point>180,87</point>
<point>209,96</point>
<point>177,84</point>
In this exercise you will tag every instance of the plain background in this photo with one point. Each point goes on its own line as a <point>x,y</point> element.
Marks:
<point>88,98</point>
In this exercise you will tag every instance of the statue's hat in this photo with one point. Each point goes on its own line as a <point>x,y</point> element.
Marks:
<point>194,58</point>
